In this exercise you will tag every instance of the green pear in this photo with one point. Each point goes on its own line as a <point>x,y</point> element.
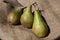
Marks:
<point>14,17</point>
<point>27,17</point>
<point>39,27</point>
<point>19,10</point>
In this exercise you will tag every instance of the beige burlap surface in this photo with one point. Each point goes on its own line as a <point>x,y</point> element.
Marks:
<point>51,14</point>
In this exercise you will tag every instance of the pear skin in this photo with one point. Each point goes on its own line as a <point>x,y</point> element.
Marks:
<point>27,17</point>
<point>14,17</point>
<point>39,27</point>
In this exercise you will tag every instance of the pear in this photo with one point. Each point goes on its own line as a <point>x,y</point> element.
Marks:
<point>19,10</point>
<point>14,17</point>
<point>27,17</point>
<point>39,27</point>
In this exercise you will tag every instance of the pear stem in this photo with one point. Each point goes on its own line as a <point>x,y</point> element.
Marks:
<point>35,6</point>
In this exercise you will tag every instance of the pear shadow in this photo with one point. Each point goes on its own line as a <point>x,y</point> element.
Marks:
<point>46,24</point>
<point>47,27</point>
<point>58,38</point>
<point>5,1</point>
<point>0,39</point>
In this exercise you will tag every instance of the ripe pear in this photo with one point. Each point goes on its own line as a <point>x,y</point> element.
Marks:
<point>27,17</point>
<point>39,27</point>
<point>14,17</point>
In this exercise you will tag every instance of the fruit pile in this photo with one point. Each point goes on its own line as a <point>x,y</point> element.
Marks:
<point>26,18</point>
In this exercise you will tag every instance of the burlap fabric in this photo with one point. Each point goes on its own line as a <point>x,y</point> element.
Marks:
<point>51,14</point>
